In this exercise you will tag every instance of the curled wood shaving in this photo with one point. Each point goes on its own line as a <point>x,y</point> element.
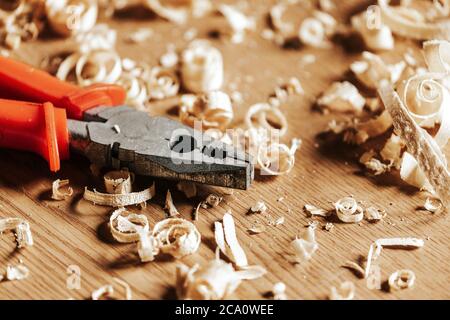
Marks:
<point>346,291</point>
<point>17,272</point>
<point>376,35</point>
<point>304,248</point>
<point>177,237</point>
<point>57,193</point>
<point>433,205</point>
<point>348,210</point>
<point>420,144</point>
<point>401,279</point>
<point>213,109</point>
<point>437,55</point>
<point>392,150</point>
<point>225,235</point>
<point>126,226</point>
<point>214,281</point>
<point>259,115</point>
<point>92,67</point>
<point>22,21</point>
<point>409,23</point>
<point>374,127</point>
<point>342,97</point>
<point>315,211</point>
<point>162,83</point>
<point>69,17</point>
<point>202,67</point>
<point>118,182</point>
<point>119,200</point>
<point>188,188</point>
<point>277,159</point>
<point>169,207</point>
<point>21,228</point>
<point>316,30</point>
<point>212,200</point>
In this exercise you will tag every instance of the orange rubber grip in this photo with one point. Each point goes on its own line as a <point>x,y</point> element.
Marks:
<point>39,128</point>
<point>20,81</point>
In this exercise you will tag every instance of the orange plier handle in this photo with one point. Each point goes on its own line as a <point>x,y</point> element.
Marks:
<point>33,124</point>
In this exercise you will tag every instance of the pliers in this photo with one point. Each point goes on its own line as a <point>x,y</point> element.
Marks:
<point>107,132</point>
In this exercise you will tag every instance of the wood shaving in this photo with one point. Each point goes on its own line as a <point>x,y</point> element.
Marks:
<point>316,30</point>
<point>304,248</point>
<point>257,229</point>
<point>315,211</point>
<point>355,267</point>
<point>202,67</point>
<point>348,210</point>
<point>119,200</point>
<point>342,97</point>
<point>376,35</point>
<point>212,200</point>
<point>372,70</point>
<point>409,23</point>
<point>259,207</point>
<point>262,113</point>
<point>376,248</point>
<point>346,291</point>
<point>214,281</point>
<point>126,286</point>
<point>169,207</point>
<point>24,21</point>
<point>126,226</point>
<point>277,159</point>
<point>213,109</point>
<point>328,226</point>
<point>57,193</point>
<point>69,17</point>
<point>177,237</point>
<point>373,214</point>
<point>374,165</point>
<point>179,11</point>
<point>140,35</point>
<point>188,188</point>
<point>401,279</point>
<point>420,144</point>
<point>433,205</point>
<point>162,83</point>
<point>225,235</point>
<point>147,246</point>
<point>118,182</point>
<point>279,291</point>
<point>21,229</point>
<point>238,22</point>
<point>17,272</point>
<point>105,291</point>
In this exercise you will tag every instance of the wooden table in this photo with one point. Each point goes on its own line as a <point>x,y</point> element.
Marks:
<point>73,232</point>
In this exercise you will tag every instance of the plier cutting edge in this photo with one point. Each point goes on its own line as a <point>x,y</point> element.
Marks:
<point>107,132</point>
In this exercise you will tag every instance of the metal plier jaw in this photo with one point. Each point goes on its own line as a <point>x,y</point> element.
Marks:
<point>157,146</point>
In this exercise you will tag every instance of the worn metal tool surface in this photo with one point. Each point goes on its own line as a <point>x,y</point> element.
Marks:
<point>157,146</point>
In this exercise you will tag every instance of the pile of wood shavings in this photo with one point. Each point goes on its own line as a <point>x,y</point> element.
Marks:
<point>418,94</point>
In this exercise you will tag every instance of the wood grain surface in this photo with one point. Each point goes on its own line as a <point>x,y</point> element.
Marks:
<point>73,232</point>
